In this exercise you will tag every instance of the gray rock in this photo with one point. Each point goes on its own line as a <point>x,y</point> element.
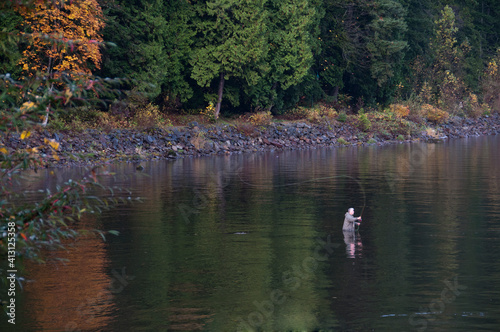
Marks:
<point>303,125</point>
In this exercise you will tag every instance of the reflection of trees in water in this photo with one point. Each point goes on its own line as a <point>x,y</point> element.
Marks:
<point>274,197</point>
<point>73,295</point>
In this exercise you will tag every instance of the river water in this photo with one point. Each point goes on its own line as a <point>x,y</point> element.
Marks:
<point>254,242</point>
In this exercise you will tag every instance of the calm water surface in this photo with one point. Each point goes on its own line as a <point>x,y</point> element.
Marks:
<point>254,242</point>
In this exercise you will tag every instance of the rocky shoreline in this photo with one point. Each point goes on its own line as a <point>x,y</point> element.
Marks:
<point>95,147</point>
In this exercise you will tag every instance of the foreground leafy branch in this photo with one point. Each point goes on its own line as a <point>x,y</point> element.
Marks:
<point>55,217</point>
<point>28,227</point>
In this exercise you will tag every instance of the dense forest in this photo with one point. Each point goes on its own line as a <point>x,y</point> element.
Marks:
<point>271,54</point>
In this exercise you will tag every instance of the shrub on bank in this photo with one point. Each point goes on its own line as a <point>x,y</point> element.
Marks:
<point>209,112</point>
<point>297,113</point>
<point>260,118</point>
<point>401,111</point>
<point>364,122</point>
<point>149,117</point>
<point>434,114</point>
<point>392,126</point>
<point>491,83</point>
<point>474,108</point>
<point>342,141</point>
<point>329,113</point>
<point>315,114</point>
<point>247,129</point>
<point>342,117</point>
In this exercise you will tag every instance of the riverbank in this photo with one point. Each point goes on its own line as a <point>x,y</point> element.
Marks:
<point>93,146</point>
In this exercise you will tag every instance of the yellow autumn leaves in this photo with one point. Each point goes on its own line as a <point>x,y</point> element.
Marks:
<point>65,37</point>
<point>25,134</point>
<point>27,106</point>
<point>50,143</point>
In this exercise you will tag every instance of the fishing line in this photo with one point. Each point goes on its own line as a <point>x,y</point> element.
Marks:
<point>313,180</point>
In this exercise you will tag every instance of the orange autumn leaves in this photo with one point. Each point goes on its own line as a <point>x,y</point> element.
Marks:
<point>65,37</point>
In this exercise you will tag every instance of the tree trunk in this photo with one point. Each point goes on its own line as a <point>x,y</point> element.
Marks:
<point>335,93</point>
<point>47,110</point>
<point>275,85</point>
<point>219,100</point>
<point>46,119</point>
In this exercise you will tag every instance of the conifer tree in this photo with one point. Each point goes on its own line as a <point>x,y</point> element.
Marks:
<point>386,44</point>
<point>153,39</point>
<point>10,53</point>
<point>289,55</point>
<point>230,43</point>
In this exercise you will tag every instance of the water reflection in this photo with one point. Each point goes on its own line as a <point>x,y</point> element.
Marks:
<point>71,296</point>
<point>353,244</point>
<point>216,237</point>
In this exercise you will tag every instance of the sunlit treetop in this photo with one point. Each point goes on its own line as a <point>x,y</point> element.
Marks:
<point>65,37</point>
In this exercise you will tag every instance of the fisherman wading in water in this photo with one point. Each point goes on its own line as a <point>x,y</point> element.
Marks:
<point>350,221</point>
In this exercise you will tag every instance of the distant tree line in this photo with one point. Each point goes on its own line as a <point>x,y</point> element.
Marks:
<point>251,55</point>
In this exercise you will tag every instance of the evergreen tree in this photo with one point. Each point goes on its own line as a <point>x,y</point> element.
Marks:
<point>479,25</point>
<point>333,60</point>
<point>386,45</point>
<point>363,48</point>
<point>289,55</point>
<point>344,58</point>
<point>9,52</point>
<point>230,42</point>
<point>153,39</point>
<point>420,26</point>
<point>444,44</point>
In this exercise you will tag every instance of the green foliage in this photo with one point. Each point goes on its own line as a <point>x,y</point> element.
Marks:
<point>444,44</point>
<point>342,141</point>
<point>386,45</point>
<point>262,55</point>
<point>289,54</point>
<point>335,54</point>
<point>364,122</point>
<point>342,117</point>
<point>230,42</point>
<point>10,54</point>
<point>447,84</point>
<point>153,41</point>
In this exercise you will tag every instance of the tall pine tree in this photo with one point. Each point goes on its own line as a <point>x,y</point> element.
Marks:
<point>386,44</point>
<point>153,39</point>
<point>289,55</point>
<point>230,43</point>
